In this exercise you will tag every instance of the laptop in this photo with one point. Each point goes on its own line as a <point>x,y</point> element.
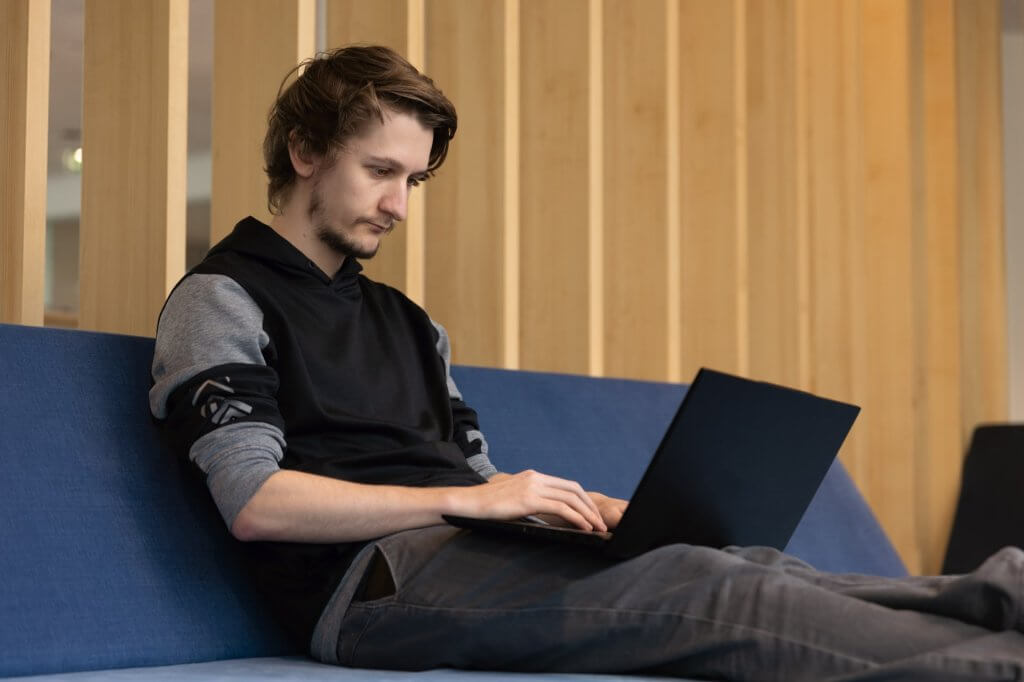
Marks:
<point>738,465</point>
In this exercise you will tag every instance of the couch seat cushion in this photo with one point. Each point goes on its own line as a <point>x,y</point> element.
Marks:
<point>307,670</point>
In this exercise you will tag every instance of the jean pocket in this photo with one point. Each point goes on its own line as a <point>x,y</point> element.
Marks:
<point>378,582</point>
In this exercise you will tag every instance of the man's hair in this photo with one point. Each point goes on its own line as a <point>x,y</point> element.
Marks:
<point>336,96</point>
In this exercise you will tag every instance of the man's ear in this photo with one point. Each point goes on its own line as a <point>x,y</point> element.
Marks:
<point>304,163</point>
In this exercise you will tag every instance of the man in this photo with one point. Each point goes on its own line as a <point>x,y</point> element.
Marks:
<point>319,406</point>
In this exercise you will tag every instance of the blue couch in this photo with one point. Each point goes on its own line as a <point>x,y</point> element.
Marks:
<point>113,556</point>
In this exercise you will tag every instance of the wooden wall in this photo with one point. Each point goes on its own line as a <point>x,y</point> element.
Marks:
<point>804,191</point>
<point>24,81</point>
<point>256,42</point>
<point>134,114</point>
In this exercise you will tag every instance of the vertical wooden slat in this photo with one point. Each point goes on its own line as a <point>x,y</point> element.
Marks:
<point>635,231</point>
<point>1013,165</point>
<point>595,185</point>
<point>830,199</point>
<point>465,51</point>
<point>673,205</point>
<point>801,169</point>
<point>255,43</point>
<point>511,220</point>
<point>133,175</point>
<point>415,33</point>
<point>979,134</point>
<point>855,450</point>
<point>400,25</point>
<point>415,222</point>
<point>936,270</point>
<point>742,209</point>
<point>382,22</point>
<point>709,185</point>
<point>554,260</point>
<point>888,419</point>
<point>24,90</point>
<point>773,230</point>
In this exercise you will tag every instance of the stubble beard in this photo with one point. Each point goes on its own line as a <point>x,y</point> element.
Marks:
<point>336,240</point>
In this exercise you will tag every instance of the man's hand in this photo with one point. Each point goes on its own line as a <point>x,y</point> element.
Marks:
<point>511,496</point>
<point>611,508</point>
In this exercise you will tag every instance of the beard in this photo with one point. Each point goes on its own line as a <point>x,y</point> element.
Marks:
<point>335,239</point>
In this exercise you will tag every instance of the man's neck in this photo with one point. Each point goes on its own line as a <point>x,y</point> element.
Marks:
<point>294,225</point>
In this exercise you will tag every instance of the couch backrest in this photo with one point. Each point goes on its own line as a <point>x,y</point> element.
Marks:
<point>114,556</point>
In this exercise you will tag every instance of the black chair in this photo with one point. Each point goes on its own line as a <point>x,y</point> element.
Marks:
<point>990,513</point>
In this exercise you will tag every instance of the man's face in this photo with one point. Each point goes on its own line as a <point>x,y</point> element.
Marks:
<point>355,201</point>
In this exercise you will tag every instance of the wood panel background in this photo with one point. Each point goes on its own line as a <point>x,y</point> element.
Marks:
<point>466,207</point>
<point>806,191</point>
<point>255,44</point>
<point>555,223</point>
<point>24,91</point>
<point>134,112</point>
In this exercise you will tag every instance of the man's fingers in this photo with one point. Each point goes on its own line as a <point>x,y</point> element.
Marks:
<point>611,508</point>
<point>530,492</point>
<point>562,497</point>
<point>584,513</point>
<point>567,514</point>
<point>575,490</point>
<point>572,511</point>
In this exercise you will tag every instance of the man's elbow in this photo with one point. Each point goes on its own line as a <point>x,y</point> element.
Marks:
<point>256,519</point>
<point>248,526</point>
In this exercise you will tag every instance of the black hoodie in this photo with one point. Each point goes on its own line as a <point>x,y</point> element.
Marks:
<point>352,377</point>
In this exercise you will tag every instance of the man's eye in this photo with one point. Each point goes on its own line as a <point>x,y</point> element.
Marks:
<point>414,182</point>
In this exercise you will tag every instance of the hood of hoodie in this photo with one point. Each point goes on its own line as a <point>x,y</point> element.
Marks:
<point>253,238</point>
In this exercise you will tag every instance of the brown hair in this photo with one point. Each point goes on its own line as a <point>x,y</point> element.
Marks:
<point>336,95</point>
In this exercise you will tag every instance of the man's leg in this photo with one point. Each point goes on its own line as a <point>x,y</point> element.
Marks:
<point>469,601</point>
<point>991,596</point>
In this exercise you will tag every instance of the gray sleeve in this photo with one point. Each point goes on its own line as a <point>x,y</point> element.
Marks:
<point>210,320</point>
<point>444,349</point>
<point>237,460</point>
<point>480,463</point>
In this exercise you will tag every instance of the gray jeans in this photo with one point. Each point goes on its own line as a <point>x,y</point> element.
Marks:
<point>465,600</point>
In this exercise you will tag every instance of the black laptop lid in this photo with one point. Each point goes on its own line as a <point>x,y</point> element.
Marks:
<point>738,465</point>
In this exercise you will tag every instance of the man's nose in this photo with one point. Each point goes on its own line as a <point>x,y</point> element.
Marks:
<point>395,201</point>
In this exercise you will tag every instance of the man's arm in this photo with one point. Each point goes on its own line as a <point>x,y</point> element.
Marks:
<point>209,328</point>
<point>299,507</point>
